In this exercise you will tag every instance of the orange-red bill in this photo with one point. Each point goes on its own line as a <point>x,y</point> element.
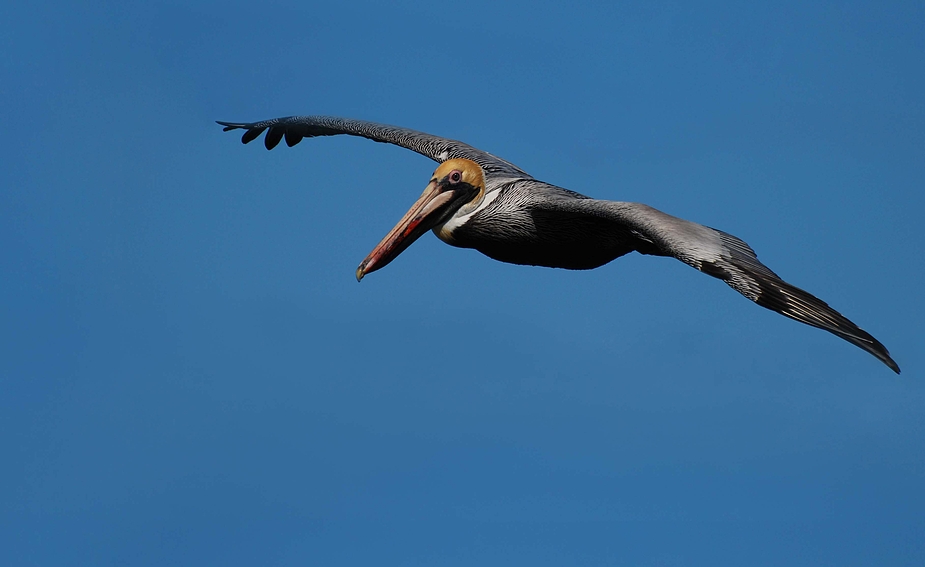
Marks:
<point>423,215</point>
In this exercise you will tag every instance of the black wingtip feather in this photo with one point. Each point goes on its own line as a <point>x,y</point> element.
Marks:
<point>274,135</point>
<point>251,134</point>
<point>250,131</point>
<point>804,307</point>
<point>777,295</point>
<point>292,138</point>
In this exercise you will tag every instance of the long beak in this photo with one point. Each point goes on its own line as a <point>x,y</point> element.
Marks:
<point>424,214</point>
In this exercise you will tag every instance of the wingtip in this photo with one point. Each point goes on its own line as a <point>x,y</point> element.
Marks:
<point>876,348</point>
<point>227,125</point>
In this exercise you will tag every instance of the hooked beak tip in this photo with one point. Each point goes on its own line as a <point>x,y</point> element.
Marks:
<point>366,266</point>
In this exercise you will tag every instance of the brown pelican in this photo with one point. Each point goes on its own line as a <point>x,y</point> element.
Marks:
<point>477,200</point>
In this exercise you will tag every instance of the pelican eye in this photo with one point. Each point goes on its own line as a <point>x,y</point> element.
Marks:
<point>455,177</point>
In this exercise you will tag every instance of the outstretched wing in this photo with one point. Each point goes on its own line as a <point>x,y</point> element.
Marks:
<point>728,258</point>
<point>294,128</point>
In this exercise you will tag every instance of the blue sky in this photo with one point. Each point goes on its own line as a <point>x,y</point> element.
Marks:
<point>190,374</point>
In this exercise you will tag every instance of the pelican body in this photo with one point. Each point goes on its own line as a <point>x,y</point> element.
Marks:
<point>477,200</point>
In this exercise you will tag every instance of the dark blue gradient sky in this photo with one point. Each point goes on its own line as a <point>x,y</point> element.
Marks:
<point>190,374</point>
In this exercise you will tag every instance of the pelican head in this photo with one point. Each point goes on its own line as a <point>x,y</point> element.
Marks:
<point>455,183</point>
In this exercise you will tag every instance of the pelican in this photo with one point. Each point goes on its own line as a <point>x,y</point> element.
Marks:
<point>477,200</point>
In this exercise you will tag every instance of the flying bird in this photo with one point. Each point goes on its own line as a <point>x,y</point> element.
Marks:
<point>477,200</point>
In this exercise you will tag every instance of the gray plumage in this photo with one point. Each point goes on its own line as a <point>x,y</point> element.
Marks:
<point>534,223</point>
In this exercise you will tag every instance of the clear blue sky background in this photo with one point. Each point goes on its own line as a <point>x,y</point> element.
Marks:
<point>190,374</point>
